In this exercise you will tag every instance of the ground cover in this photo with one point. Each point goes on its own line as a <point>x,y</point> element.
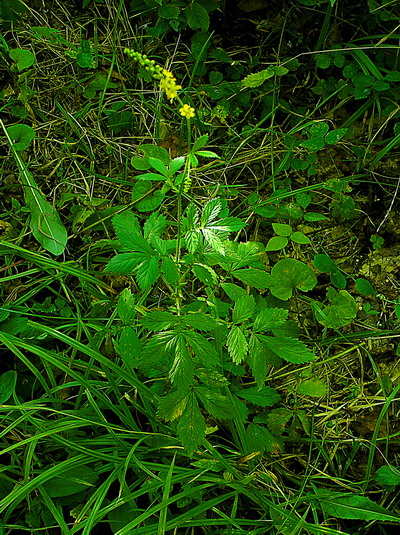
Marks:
<point>199,279</point>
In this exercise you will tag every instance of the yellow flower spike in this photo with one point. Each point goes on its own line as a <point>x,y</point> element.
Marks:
<point>187,111</point>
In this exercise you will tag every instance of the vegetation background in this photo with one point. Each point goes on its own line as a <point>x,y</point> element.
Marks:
<point>199,281</point>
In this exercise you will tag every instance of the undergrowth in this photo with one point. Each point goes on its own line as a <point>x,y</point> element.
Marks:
<point>199,287</point>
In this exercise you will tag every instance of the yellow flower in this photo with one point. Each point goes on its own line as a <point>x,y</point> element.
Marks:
<point>170,87</point>
<point>187,111</point>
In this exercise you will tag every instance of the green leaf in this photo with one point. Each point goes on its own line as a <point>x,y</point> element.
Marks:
<point>288,274</point>
<point>202,348</point>
<point>124,263</point>
<point>205,274</point>
<point>181,372</point>
<point>158,165</point>
<point>144,198</point>
<point>258,78</point>
<point>71,482</point>
<point>260,439</point>
<point>341,311</point>
<point>200,143</point>
<point>253,277</point>
<point>141,161</point>
<point>270,318</point>
<point>172,406</point>
<point>147,273</point>
<point>288,349</point>
<point>323,61</point>
<point>216,404</point>
<point>168,11</point>
<point>277,420</point>
<point>233,291</point>
<point>315,388</point>
<point>21,136</point>
<point>127,228</point>
<point>334,136</point>
<point>300,238</point>
<point>264,397</point>
<point>324,263</point>
<point>338,279</point>
<point>197,17</point>
<point>314,216</point>
<point>126,306</point>
<point>364,287</point>
<point>8,380</point>
<point>243,309</point>
<point>159,320</point>
<point>129,347</point>
<point>282,229</point>
<point>319,129</point>
<point>314,144</point>
<point>207,154</point>
<point>151,176</point>
<point>237,344</point>
<point>352,506</point>
<point>169,270</point>
<point>276,243</point>
<point>191,426</point>
<point>257,360</point>
<point>387,477</point>
<point>22,57</point>
<point>200,321</point>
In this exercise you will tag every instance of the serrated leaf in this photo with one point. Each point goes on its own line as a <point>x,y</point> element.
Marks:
<point>270,318</point>
<point>191,426</point>
<point>129,347</point>
<point>315,388</point>
<point>233,291</point>
<point>288,274</point>
<point>264,397</point>
<point>257,360</point>
<point>258,78</point>
<point>277,420</point>
<point>200,321</point>
<point>243,309</point>
<point>124,263</point>
<point>205,274</point>
<point>158,165</point>
<point>197,17</point>
<point>211,378</point>
<point>237,344</point>
<point>155,225</point>
<point>168,11</point>
<point>147,273</point>
<point>169,270</point>
<point>352,506</point>
<point>172,406</point>
<point>260,439</point>
<point>276,243</point>
<point>253,277</point>
<point>127,228</point>
<point>181,372</point>
<point>288,349</point>
<point>126,306</point>
<point>216,404</point>
<point>202,348</point>
<point>200,143</point>
<point>159,320</point>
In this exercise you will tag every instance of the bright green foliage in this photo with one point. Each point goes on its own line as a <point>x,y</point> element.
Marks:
<point>341,311</point>
<point>8,380</point>
<point>285,233</point>
<point>388,477</point>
